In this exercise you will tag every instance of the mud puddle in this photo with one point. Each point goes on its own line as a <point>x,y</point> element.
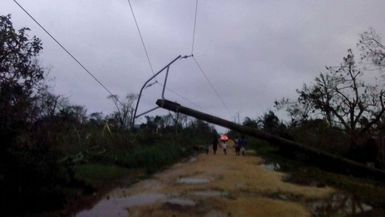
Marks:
<point>183,202</point>
<point>209,193</point>
<point>118,206</point>
<point>343,205</point>
<point>228,186</point>
<point>192,181</point>
<point>271,166</point>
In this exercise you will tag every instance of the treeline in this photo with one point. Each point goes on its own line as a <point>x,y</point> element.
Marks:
<point>53,151</point>
<point>343,110</point>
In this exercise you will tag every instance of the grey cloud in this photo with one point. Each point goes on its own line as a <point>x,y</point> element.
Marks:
<point>253,51</point>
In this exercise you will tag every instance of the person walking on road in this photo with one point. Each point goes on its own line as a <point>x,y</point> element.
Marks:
<point>242,144</point>
<point>224,138</point>
<point>237,146</point>
<point>215,144</point>
<point>224,147</point>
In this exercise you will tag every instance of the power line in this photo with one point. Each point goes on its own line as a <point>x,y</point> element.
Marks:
<point>148,57</point>
<point>211,85</point>
<point>199,66</point>
<point>172,91</point>
<point>69,53</point>
<point>195,23</point>
<point>183,97</point>
<point>141,37</point>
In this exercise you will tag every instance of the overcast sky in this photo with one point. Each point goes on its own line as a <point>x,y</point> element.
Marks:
<point>253,51</point>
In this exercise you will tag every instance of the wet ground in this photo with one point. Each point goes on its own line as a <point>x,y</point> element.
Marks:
<point>225,185</point>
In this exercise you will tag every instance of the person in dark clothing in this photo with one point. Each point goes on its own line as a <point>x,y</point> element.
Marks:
<point>215,144</point>
<point>243,144</point>
<point>237,146</point>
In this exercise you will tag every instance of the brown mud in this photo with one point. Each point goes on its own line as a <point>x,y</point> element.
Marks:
<point>214,185</point>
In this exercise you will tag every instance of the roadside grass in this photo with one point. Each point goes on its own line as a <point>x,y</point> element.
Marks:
<point>151,158</point>
<point>104,169</point>
<point>98,174</point>
<point>369,191</point>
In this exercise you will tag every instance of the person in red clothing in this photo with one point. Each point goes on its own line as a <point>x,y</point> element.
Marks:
<point>224,139</point>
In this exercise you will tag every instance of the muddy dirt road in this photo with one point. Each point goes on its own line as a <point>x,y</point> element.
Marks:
<point>212,185</point>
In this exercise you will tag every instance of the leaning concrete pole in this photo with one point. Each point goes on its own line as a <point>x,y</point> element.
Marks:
<point>317,157</point>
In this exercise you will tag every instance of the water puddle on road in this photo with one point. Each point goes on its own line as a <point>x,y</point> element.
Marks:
<point>271,166</point>
<point>209,193</point>
<point>192,181</point>
<point>180,202</point>
<point>118,206</point>
<point>343,205</point>
<point>340,204</point>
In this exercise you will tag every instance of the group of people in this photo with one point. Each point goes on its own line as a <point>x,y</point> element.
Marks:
<point>240,144</point>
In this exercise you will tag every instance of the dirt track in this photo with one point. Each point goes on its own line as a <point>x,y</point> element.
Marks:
<point>212,185</point>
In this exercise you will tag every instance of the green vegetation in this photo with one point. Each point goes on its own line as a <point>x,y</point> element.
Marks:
<point>53,152</point>
<point>342,111</point>
<point>366,190</point>
<point>98,175</point>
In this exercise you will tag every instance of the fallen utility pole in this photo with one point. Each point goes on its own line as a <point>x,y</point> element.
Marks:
<point>317,157</point>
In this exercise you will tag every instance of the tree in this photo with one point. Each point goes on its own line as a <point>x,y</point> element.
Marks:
<point>298,111</point>
<point>19,67</point>
<point>20,78</point>
<point>202,128</point>
<point>270,121</point>
<point>47,104</point>
<point>96,119</point>
<point>342,97</point>
<point>248,122</point>
<point>125,110</point>
<point>372,48</point>
<point>75,114</point>
<point>29,170</point>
